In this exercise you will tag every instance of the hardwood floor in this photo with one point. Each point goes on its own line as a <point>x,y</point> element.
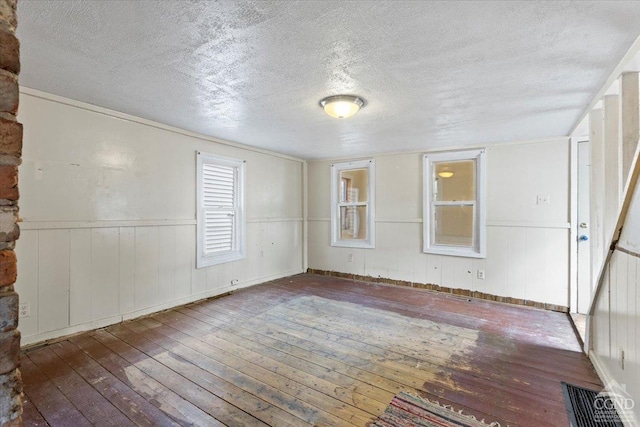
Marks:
<point>309,350</point>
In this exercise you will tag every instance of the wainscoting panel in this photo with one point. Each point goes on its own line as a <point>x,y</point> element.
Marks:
<point>27,249</point>
<point>523,262</point>
<point>104,272</point>
<point>146,275</point>
<point>183,253</point>
<point>167,263</point>
<point>53,279</point>
<point>78,278</point>
<point>127,266</point>
<point>616,325</point>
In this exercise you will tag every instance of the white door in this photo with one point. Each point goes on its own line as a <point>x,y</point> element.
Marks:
<point>584,248</point>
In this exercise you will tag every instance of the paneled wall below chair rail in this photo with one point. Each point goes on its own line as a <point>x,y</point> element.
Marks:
<point>527,263</point>
<point>78,278</point>
<point>616,326</point>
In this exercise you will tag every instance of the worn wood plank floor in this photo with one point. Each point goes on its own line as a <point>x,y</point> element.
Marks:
<point>309,350</point>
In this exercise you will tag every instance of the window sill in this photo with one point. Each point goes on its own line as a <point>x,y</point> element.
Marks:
<point>459,252</point>
<point>354,244</point>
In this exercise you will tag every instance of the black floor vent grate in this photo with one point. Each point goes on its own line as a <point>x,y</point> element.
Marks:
<point>584,411</point>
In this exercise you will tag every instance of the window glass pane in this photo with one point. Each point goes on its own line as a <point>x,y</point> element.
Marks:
<point>354,184</point>
<point>353,222</point>
<point>453,226</point>
<point>454,181</point>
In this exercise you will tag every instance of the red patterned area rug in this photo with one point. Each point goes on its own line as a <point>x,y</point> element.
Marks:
<point>406,410</point>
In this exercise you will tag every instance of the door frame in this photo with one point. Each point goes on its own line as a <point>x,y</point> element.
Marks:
<point>574,230</point>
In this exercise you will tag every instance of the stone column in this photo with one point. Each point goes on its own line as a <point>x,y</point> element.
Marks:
<point>10,158</point>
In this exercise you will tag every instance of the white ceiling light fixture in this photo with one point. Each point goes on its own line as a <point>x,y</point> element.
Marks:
<point>341,106</point>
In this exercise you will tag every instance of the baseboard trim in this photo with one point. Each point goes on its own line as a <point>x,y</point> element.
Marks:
<point>606,379</point>
<point>206,294</point>
<point>443,289</point>
<point>64,333</point>
<point>600,369</point>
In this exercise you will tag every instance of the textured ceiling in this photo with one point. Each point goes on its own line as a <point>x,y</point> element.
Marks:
<point>434,74</point>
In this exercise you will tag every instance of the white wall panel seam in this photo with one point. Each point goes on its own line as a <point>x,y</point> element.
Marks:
<point>69,285</point>
<point>158,270</point>
<point>133,272</point>
<point>91,284</point>
<point>119,270</point>
<point>38,280</point>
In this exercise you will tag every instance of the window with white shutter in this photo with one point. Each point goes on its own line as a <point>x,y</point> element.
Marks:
<point>220,215</point>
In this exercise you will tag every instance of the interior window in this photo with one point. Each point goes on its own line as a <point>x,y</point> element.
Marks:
<point>453,203</point>
<point>352,204</point>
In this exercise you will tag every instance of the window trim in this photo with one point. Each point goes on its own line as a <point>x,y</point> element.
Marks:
<point>240,225</point>
<point>480,228</point>
<point>336,168</point>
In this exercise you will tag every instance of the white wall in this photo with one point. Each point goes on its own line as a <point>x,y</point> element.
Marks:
<point>108,203</point>
<point>615,313</point>
<point>616,321</point>
<point>527,243</point>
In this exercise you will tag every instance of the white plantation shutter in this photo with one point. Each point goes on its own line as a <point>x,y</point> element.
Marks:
<point>220,214</point>
<point>218,184</point>
<point>218,231</point>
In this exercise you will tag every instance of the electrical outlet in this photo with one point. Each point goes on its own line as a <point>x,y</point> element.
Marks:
<point>234,282</point>
<point>543,199</point>
<point>622,358</point>
<point>24,310</point>
<point>350,257</point>
<point>481,274</point>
